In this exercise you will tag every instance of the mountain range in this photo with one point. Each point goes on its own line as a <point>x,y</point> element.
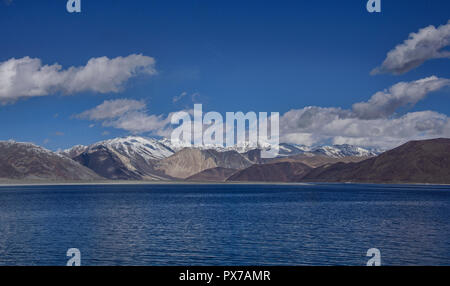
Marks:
<point>130,158</point>
<point>26,161</point>
<point>425,161</point>
<point>149,159</point>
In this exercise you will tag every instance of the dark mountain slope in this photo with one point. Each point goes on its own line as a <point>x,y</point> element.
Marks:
<point>314,160</point>
<point>426,161</point>
<point>107,164</point>
<point>273,172</point>
<point>25,161</point>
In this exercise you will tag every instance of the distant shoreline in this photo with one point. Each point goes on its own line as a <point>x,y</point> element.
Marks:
<point>111,182</point>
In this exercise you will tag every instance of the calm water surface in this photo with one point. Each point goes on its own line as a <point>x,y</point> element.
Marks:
<point>225,224</point>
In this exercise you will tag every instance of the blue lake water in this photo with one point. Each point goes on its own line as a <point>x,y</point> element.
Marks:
<point>225,224</point>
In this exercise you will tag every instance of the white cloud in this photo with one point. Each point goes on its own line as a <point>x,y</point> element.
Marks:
<point>382,132</point>
<point>110,109</point>
<point>139,122</point>
<point>428,43</point>
<point>129,115</point>
<point>371,123</point>
<point>385,103</point>
<point>28,77</point>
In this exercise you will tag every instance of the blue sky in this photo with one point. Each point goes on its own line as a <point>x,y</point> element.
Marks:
<point>228,55</point>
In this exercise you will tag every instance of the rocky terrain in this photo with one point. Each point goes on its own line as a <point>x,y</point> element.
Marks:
<point>26,161</point>
<point>129,158</point>
<point>272,172</point>
<point>425,161</point>
<point>334,151</point>
<point>218,174</point>
<point>315,161</point>
<point>147,159</point>
<point>190,161</point>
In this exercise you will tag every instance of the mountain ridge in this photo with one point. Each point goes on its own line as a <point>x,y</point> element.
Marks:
<point>424,161</point>
<point>190,161</point>
<point>271,172</point>
<point>149,159</point>
<point>27,161</point>
<point>127,158</point>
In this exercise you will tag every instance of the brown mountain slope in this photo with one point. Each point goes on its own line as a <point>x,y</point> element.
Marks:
<point>273,172</point>
<point>218,174</point>
<point>190,161</point>
<point>25,161</point>
<point>426,161</point>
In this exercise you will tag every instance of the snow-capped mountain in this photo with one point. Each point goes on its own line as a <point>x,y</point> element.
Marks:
<point>131,157</point>
<point>153,149</point>
<point>74,151</point>
<point>286,149</point>
<point>340,151</point>
<point>178,145</point>
<point>292,149</point>
<point>148,148</point>
<point>335,151</point>
<point>137,158</point>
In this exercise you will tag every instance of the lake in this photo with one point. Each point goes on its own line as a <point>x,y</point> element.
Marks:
<point>317,224</point>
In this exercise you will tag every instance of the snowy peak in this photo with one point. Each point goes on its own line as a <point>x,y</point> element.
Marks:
<point>287,149</point>
<point>340,151</point>
<point>179,145</point>
<point>147,148</point>
<point>126,158</point>
<point>74,151</point>
<point>151,149</point>
<point>335,151</point>
<point>292,149</point>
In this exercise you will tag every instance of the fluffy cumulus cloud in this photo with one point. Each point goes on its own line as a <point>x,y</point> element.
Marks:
<point>382,132</point>
<point>128,114</point>
<point>428,43</point>
<point>385,103</point>
<point>371,124</point>
<point>28,77</point>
